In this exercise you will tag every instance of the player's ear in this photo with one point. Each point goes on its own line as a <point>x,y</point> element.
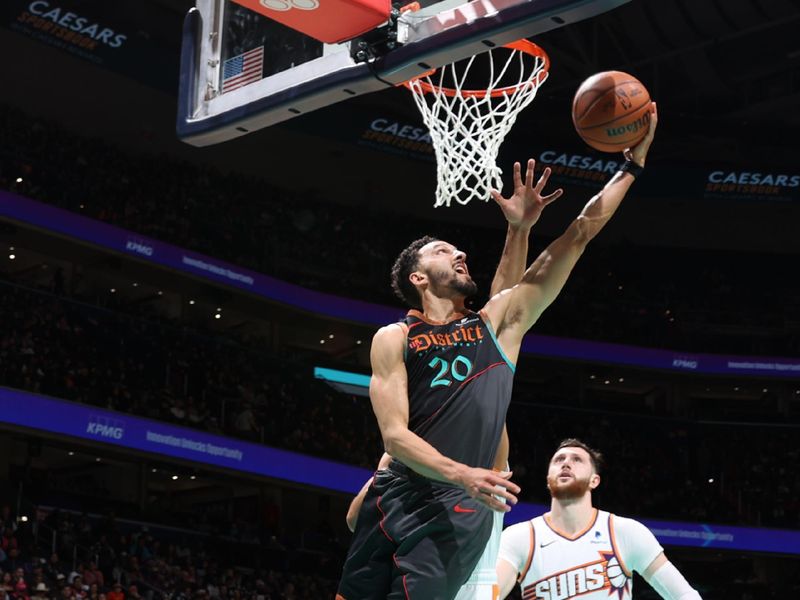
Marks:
<point>594,481</point>
<point>418,278</point>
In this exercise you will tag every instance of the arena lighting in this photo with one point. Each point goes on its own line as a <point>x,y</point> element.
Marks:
<point>322,341</point>
<point>135,284</point>
<point>113,290</point>
<point>191,301</point>
<point>219,309</point>
<point>358,342</point>
<point>192,477</point>
<point>765,390</point>
<point>330,337</point>
<point>154,470</point>
<point>70,453</point>
<point>174,478</point>
<point>217,316</point>
<point>710,480</point>
<point>11,248</point>
<point>621,379</point>
<point>97,459</point>
<point>160,293</point>
<point>12,256</point>
<point>19,179</point>
<point>24,518</point>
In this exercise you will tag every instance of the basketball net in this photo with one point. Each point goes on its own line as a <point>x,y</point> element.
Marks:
<point>467,126</point>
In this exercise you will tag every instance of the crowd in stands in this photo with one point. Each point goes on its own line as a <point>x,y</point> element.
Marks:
<point>647,296</point>
<point>132,364</point>
<point>64,556</point>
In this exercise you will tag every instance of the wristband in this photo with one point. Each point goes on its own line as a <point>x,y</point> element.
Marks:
<point>632,168</point>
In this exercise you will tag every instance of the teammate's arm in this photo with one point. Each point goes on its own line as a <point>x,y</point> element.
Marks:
<point>522,210</point>
<point>358,500</point>
<point>668,581</point>
<point>388,392</point>
<point>516,311</point>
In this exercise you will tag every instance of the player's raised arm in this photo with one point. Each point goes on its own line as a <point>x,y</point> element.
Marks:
<point>515,312</point>
<point>388,391</point>
<point>522,210</point>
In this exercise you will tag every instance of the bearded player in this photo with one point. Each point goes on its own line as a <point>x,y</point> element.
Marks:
<point>576,550</point>
<point>440,388</point>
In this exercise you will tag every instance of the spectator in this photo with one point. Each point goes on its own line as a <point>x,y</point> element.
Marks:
<point>92,575</point>
<point>116,592</point>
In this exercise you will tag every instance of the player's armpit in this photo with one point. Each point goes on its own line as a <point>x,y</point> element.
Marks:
<point>668,581</point>
<point>539,286</point>
<point>506,577</point>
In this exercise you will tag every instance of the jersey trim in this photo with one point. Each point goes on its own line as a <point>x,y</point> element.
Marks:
<point>581,533</point>
<point>530,554</point>
<point>421,316</point>
<point>490,329</point>
<point>615,547</point>
<point>405,327</point>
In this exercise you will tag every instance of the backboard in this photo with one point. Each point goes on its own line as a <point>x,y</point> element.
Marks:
<point>242,71</point>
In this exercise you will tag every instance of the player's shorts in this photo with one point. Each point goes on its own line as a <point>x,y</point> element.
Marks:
<point>482,584</point>
<point>415,539</point>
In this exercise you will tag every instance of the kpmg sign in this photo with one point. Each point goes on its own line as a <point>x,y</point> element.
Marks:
<point>78,421</point>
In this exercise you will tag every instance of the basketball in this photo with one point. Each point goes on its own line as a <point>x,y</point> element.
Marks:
<point>616,576</point>
<point>611,111</point>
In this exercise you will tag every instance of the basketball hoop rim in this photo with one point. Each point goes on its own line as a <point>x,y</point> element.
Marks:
<point>523,45</point>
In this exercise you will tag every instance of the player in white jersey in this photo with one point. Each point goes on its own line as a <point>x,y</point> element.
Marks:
<point>576,550</point>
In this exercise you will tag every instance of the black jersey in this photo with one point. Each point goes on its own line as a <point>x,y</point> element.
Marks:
<point>459,386</point>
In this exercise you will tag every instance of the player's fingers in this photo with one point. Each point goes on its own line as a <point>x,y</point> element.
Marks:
<point>543,180</point>
<point>498,197</point>
<point>503,483</point>
<point>529,173</point>
<point>510,498</point>
<point>551,197</point>
<point>493,503</point>
<point>517,175</point>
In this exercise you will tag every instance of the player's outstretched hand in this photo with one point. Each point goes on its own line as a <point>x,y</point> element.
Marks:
<point>638,153</point>
<point>484,485</point>
<point>525,205</point>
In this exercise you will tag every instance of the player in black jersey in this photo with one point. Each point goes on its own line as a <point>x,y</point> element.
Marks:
<point>441,384</point>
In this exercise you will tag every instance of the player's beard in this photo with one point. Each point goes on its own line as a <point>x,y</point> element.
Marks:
<point>464,286</point>
<point>570,491</point>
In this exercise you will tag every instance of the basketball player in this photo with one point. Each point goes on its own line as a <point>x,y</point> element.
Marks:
<point>441,384</point>
<point>576,550</point>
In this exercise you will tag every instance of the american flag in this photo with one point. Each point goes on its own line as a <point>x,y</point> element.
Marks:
<point>243,69</point>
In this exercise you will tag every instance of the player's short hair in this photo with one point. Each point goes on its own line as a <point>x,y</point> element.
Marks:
<point>406,264</point>
<point>598,462</point>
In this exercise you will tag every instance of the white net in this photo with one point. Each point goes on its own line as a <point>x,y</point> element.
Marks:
<point>467,126</point>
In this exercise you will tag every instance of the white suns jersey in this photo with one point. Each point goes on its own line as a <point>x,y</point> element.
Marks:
<point>482,584</point>
<point>593,564</point>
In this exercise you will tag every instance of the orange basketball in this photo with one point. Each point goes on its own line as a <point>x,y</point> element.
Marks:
<point>611,111</point>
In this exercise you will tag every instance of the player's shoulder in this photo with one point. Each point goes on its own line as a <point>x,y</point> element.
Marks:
<point>626,525</point>
<point>391,333</point>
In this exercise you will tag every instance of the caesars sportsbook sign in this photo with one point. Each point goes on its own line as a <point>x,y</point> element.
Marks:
<point>121,36</point>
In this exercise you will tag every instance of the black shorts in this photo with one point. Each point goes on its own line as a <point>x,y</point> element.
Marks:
<point>415,539</point>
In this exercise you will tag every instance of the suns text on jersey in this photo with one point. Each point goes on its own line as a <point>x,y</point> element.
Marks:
<point>569,584</point>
